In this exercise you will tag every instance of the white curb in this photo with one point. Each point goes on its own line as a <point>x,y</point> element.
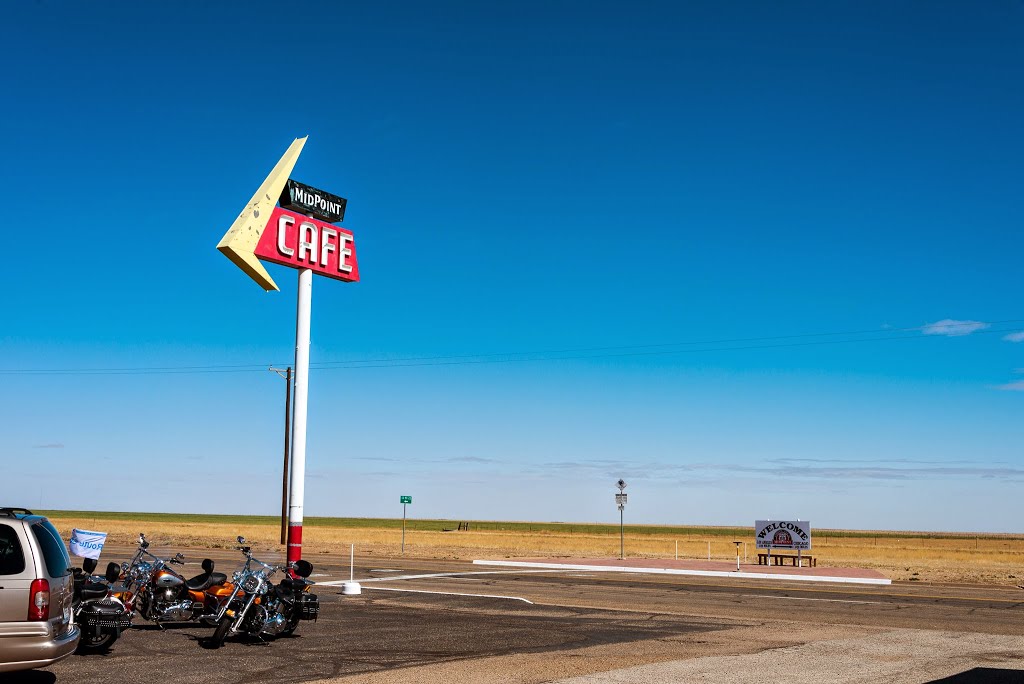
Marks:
<point>698,573</point>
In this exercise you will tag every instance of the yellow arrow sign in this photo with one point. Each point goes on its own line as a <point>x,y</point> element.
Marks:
<point>239,243</point>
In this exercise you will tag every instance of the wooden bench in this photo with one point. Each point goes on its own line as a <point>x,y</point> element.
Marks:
<point>780,559</point>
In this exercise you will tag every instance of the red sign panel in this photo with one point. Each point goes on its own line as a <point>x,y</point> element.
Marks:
<point>298,241</point>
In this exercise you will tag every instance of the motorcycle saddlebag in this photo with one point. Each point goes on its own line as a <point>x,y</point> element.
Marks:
<point>105,617</point>
<point>308,606</point>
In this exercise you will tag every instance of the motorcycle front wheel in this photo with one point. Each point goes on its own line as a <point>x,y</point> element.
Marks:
<point>221,633</point>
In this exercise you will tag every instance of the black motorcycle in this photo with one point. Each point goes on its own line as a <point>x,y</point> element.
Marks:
<point>259,608</point>
<point>100,615</point>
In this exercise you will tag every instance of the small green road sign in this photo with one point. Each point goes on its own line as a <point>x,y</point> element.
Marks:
<point>406,499</point>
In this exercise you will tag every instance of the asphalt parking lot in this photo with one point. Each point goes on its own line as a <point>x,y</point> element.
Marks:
<point>368,633</point>
<point>431,620</point>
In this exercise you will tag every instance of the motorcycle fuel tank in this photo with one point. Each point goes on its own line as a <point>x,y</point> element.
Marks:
<point>223,590</point>
<point>166,579</point>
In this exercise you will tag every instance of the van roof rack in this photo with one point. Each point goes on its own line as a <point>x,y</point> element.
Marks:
<point>13,511</point>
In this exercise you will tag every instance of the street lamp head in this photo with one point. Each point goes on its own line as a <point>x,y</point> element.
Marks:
<point>621,483</point>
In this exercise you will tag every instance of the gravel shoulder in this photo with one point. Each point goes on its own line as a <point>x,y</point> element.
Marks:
<point>903,655</point>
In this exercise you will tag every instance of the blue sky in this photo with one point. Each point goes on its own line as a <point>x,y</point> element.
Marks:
<point>524,179</point>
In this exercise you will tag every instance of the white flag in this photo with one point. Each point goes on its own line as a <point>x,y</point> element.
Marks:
<point>87,544</point>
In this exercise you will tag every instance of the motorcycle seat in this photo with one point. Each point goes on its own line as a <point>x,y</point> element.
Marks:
<point>295,583</point>
<point>206,580</point>
<point>92,590</point>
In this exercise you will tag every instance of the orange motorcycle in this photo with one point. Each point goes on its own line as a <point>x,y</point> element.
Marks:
<point>158,592</point>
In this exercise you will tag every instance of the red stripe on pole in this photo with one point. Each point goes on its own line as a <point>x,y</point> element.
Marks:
<point>294,543</point>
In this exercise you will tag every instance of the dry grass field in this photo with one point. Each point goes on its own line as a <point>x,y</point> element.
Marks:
<point>913,556</point>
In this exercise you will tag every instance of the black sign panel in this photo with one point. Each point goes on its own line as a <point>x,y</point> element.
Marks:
<point>308,200</point>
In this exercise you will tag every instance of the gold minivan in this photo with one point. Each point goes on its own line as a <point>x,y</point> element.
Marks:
<point>36,586</point>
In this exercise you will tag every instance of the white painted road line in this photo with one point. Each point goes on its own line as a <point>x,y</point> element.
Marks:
<point>435,575</point>
<point>449,593</point>
<point>696,573</point>
<point>804,598</point>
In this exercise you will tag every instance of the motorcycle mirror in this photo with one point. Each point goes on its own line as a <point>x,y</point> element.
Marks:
<point>113,572</point>
<point>302,568</point>
<point>179,557</point>
<point>89,565</point>
<point>208,565</point>
<point>241,539</point>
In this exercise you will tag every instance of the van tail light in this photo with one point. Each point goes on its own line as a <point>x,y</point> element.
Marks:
<point>39,601</point>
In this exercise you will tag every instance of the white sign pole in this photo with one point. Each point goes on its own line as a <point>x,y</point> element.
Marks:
<point>298,469</point>
<point>620,501</point>
<point>799,560</point>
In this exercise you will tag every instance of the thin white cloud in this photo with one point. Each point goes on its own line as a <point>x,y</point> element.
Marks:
<point>837,470</point>
<point>953,328</point>
<point>1015,337</point>
<point>469,459</point>
<point>1012,386</point>
<point>54,445</point>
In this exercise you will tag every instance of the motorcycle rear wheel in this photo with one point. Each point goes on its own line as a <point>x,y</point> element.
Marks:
<point>96,643</point>
<point>289,630</point>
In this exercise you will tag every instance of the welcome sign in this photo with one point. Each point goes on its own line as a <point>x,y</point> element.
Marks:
<point>783,534</point>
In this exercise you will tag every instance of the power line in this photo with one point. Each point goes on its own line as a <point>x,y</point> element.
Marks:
<point>644,353</point>
<point>653,349</point>
<point>245,367</point>
<point>739,340</point>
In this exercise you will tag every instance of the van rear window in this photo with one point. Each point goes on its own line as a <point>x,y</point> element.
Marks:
<point>12,560</point>
<point>55,554</point>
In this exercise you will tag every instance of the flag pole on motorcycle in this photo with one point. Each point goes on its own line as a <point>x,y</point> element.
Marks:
<point>293,224</point>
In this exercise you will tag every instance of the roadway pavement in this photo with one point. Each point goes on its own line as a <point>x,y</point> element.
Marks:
<point>433,620</point>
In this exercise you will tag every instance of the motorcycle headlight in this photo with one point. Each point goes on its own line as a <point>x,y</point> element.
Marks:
<point>141,571</point>
<point>251,584</point>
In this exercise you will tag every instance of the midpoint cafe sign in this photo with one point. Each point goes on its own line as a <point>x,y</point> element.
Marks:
<point>300,233</point>
<point>783,534</point>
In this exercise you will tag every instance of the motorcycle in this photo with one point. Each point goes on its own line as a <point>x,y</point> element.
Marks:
<point>161,594</point>
<point>257,607</point>
<point>101,615</point>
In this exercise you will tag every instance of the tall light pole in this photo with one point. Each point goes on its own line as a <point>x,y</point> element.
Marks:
<point>287,375</point>
<point>297,491</point>
<point>620,501</point>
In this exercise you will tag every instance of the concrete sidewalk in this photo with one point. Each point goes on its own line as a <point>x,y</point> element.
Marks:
<point>698,568</point>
